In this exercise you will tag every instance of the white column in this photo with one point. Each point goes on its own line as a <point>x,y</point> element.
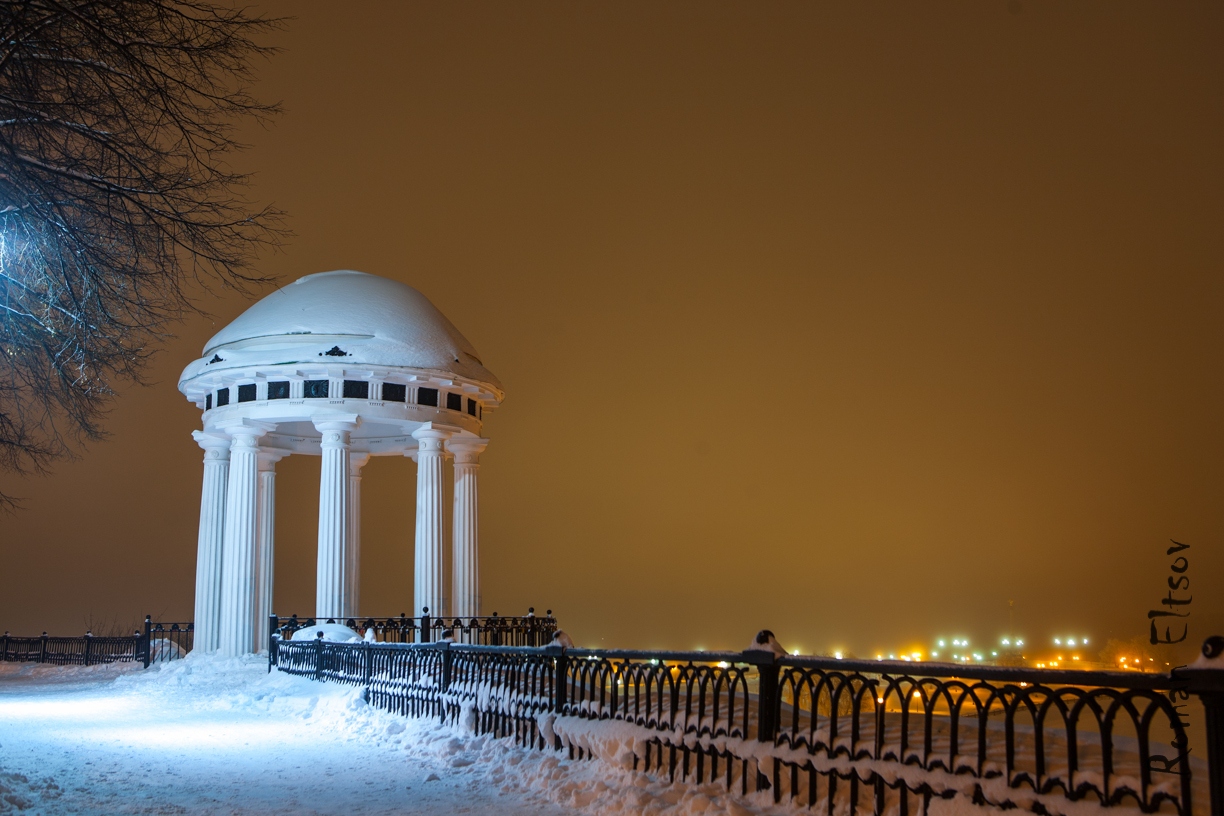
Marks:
<point>265,569</point>
<point>211,541</point>
<point>465,562</point>
<point>331,581</point>
<point>357,460</point>
<point>238,554</point>
<point>430,519</point>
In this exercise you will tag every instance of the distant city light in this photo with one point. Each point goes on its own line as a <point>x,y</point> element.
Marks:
<point>1070,641</point>
<point>837,655</point>
<point>1059,642</point>
<point>941,643</point>
<point>1006,642</point>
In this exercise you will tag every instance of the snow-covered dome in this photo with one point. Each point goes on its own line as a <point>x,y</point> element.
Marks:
<point>348,343</point>
<point>363,318</point>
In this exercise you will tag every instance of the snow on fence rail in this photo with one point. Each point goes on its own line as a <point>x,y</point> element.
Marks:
<point>834,735</point>
<point>158,642</point>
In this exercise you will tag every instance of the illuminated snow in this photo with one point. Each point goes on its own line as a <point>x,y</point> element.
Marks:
<point>204,736</point>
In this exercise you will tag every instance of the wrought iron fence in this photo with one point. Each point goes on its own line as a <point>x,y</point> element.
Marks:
<point>528,630</point>
<point>167,641</point>
<point>837,735</point>
<point>158,643</point>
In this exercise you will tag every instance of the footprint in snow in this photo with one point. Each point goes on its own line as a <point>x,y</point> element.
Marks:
<point>432,778</point>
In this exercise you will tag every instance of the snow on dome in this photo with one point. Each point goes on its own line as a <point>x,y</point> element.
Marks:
<point>366,319</point>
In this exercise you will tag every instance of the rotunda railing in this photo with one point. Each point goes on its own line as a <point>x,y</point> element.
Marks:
<point>494,630</point>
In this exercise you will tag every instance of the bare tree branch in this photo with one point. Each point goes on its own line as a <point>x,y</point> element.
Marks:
<point>116,202</point>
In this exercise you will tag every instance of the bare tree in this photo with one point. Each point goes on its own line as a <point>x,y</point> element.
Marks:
<point>117,205</point>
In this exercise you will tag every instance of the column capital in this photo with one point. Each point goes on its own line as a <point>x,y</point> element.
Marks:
<point>466,449</point>
<point>337,422</point>
<point>250,428</point>
<point>268,457</point>
<point>216,446</point>
<point>357,460</point>
<point>431,438</point>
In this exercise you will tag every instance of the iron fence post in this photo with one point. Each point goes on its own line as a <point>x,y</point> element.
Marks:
<point>1213,703</point>
<point>443,708</point>
<point>560,684</point>
<point>42,655</point>
<point>1208,684</point>
<point>446,666</point>
<point>88,642</point>
<point>319,656</point>
<point>148,641</point>
<point>425,628</point>
<point>369,668</point>
<point>767,706</point>
<point>273,641</point>
<point>6,647</point>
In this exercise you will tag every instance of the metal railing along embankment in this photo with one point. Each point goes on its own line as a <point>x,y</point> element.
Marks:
<point>835,735</point>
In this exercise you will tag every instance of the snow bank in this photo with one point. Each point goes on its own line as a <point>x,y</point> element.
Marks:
<point>334,632</point>
<point>162,650</point>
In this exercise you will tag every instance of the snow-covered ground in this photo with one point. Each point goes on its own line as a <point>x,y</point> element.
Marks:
<point>208,735</point>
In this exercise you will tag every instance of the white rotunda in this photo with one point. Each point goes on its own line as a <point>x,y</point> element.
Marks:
<point>346,366</point>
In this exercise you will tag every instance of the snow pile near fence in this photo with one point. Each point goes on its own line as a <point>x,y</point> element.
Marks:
<point>616,743</point>
<point>588,786</point>
<point>333,632</point>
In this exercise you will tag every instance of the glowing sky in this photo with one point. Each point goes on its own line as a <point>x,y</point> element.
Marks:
<point>851,321</point>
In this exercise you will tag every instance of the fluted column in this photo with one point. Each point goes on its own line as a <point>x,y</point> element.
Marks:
<point>357,461</point>
<point>238,554</point>
<point>265,558</point>
<point>430,519</point>
<point>465,563</point>
<point>211,540</point>
<point>331,579</point>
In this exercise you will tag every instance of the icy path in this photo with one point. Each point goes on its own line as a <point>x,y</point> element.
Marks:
<point>207,736</point>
